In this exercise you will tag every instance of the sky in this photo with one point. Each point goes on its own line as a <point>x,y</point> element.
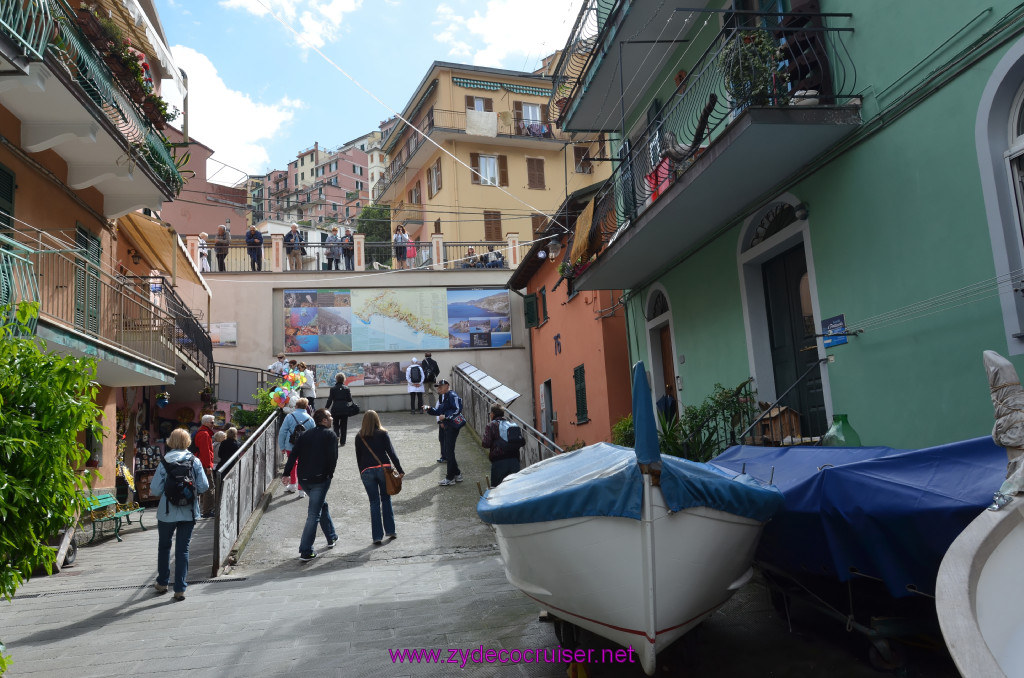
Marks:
<point>259,93</point>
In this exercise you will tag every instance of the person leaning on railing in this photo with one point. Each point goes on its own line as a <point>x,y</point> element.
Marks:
<point>220,247</point>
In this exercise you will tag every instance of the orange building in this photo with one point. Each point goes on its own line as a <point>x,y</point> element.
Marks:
<point>579,358</point>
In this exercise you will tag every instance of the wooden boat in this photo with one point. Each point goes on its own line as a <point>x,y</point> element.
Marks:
<point>633,547</point>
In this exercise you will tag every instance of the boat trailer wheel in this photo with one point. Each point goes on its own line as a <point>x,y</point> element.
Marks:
<point>568,634</point>
<point>884,656</point>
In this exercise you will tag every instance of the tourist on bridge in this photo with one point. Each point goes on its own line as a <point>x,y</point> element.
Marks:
<point>375,455</point>
<point>254,246</point>
<point>451,421</point>
<point>316,456</point>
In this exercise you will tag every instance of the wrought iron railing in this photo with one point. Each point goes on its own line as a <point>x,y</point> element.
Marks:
<point>480,255</point>
<point>579,53</point>
<point>29,24</point>
<point>772,65</point>
<point>779,425</point>
<point>241,483</point>
<point>17,280</point>
<point>84,66</point>
<point>476,404</point>
<point>239,383</point>
<point>190,337</point>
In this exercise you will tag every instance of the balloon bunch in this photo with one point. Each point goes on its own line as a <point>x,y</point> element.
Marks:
<point>280,396</point>
<point>295,378</point>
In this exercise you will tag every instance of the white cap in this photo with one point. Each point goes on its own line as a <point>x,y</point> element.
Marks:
<point>414,359</point>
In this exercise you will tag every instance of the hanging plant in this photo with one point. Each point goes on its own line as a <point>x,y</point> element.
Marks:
<point>163,399</point>
<point>750,64</point>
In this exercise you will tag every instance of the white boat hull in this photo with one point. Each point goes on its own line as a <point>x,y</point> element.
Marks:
<point>641,584</point>
<point>979,595</point>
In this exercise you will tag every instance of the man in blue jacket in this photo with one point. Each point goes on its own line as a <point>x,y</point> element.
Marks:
<point>254,245</point>
<point>448,411</point>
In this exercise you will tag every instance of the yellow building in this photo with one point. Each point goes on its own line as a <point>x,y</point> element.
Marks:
<point>496,122</point>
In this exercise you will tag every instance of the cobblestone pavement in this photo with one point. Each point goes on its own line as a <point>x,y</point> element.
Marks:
<point>439,585</point>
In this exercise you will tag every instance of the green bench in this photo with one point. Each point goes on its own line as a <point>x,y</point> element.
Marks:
<point>103,508</point>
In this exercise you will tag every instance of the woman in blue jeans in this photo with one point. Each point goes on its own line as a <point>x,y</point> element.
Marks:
<point>172,518</point>
<point>375,455</point>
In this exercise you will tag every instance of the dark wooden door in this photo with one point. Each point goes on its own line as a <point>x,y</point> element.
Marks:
<point>791,329</point>
<point>668,368</point>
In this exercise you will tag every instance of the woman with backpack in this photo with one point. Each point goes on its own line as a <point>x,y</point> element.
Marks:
<point>178,481</point>
<point>294,425</point>
<point>504,448</point>
<point>339,402</point>
<point>415,376</point>
<point>375,454</point>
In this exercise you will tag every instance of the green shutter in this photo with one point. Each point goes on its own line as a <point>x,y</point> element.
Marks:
<point>6,199</point>
<point>87,282</point>
<point>580,381</point>
<point>530,310</point>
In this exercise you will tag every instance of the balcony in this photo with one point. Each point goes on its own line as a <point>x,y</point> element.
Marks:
<point>443,125</point>
<point>24,32</point>
<point>736,128</point>
<point>69,102</point>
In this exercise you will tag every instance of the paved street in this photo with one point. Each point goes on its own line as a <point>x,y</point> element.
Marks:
<point>439,585</point>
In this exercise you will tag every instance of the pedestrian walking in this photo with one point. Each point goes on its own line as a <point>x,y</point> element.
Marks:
<point>316,456</point>
<point>339,400</point>
<point>308,389</point>
<point>449,413</point>
<point>254,246</point>
<point>375,455</point>
<point>204,444</point>
<point>293,248</point>
<point>286,441</point>
<point>432,371</point>
<point>348,248</point>
<point>414,376</point>
<point>503,439</point>
<point>220,247</point>
<point>401,241</point>
<point>178,481</point>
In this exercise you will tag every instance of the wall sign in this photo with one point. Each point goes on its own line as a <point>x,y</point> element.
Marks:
<point>836,325</point>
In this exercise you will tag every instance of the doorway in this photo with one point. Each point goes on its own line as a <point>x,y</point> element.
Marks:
<point>546,416</point>
<point>792,337</point>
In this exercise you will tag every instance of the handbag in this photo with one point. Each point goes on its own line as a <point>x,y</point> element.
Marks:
<point>458,420</point>
<point>352,409</point>
<point>392,480</point>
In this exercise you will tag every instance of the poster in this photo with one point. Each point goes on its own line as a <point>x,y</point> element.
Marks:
<point>399,319</point>
<point>224,335</point>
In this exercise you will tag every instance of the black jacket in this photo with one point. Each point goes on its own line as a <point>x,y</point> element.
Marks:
<point>316,453</point>
<point>432,370</point>
<point>382,447</point>
<point>340,394</point>
<point>227,449</point>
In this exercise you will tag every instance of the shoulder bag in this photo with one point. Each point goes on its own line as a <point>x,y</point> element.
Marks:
<point>392,479</point>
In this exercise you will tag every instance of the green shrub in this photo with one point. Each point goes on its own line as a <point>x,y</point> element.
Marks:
<point>253,418</point>
<point>622,432</point>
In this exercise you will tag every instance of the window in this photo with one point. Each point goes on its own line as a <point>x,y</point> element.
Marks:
<point>539,222</point>
<point>303,176</point>
<point>492,225</point>
<point>334,207</point>
<point>357,204</point>
<point>581,156</point>
<point>579,379</point>
<point>355,170</point>
<point>415,196</point>
<point>531,113</point>
<point>303,159</point>
<point>87,282</point>
<point>296,180</point>
<point>434,179</point>
<point>535,172</point>
<point>359,185</point>
<point>493,169</point>
<point>542,302</point>
<point>479,103</point>
<point>334,166</point>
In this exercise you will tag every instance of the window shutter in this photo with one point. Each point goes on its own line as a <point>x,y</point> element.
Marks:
<point>489,105</point>
<point>474,162</point>
<point>517,107</point>
<point>530,310</point>
<point>542,296</point>
<point>470,102</point>
<point>492,226</point>
<point>544,113</point>
<point>6,198</point>
<point>438,165</point>
<point>502,170</point>
<point>579,379</point>
<point>87,283</point>
<point>539,220</point>
<point>535,173</point>
<point>581,155</point>
<point>419,192</point>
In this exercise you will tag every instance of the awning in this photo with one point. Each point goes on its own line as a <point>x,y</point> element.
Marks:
<point>159,244</point>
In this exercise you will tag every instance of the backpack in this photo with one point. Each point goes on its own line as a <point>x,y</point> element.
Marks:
<point>180,488</point>
<point>511,435</point>
<point>416,374</point>
<point>296,433</point>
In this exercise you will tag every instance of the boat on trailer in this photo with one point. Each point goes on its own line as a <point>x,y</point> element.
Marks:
<point>634,547</point>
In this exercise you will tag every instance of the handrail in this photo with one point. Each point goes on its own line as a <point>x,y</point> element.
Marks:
<point>785,393</point>
<point>28,24</point>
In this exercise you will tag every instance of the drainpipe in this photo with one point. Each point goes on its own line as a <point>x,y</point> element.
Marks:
<point>184,106</point>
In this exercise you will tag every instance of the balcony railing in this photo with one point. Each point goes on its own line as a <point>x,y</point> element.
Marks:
<point>726,79</point>
<point>29,24</point>
<point>190,337</point>
<point>84,66</point>
<point>579,52</point>
<point>17,280</point>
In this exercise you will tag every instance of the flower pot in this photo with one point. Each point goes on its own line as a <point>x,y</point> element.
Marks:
<point>162,402</point>
<point>90,26</point>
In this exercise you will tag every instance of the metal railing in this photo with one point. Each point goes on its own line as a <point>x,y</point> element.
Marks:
<point>720,428</point>
<point>190,337</point>
<point>28,23</point>
<point>731,75</point>
<point>579,52</point>
<point>241,483</point>
<point>778,424</point>
<point>481,255</point>
<point>17,280</point>
<point>476,404</point>
<point>239,383</point>
<point>84,66</point>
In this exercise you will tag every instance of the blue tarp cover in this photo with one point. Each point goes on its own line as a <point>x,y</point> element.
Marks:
<point>889,514</point>
<point>604,480</point>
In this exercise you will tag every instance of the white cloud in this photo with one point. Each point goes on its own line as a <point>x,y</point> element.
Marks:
<point>507,33</point>
<point>318,22</point>
<point>226,120</point>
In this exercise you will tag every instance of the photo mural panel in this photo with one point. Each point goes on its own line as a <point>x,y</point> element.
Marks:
<point>402,319</point>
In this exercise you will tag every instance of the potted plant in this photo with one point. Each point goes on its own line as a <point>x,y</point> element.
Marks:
<point>750,64</point>
<point>163,399</point>
<point>206,395</point>
<point>156,111</point>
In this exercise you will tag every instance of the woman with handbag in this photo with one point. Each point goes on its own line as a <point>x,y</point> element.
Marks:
<point>374,451</point>
<point>339,402</point>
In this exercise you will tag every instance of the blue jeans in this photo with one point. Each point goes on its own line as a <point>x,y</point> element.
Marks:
<point>382,517</point>
<point>318,513</point>
<point>163,554</point>
<point>502,468</point>
<point>347,258</point>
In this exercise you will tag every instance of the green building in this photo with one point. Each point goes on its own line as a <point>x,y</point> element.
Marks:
<point>844,166</point>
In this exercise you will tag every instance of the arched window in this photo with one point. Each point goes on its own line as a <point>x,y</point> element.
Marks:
<point>656,305</point>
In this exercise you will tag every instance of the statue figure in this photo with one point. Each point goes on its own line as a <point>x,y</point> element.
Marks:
<point>1008,401</point>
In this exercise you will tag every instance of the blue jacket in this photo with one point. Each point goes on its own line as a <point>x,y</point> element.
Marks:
<point>254,240</point>
<point>177,514</point>
<point>288,425</point>
<point>449,405</point>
